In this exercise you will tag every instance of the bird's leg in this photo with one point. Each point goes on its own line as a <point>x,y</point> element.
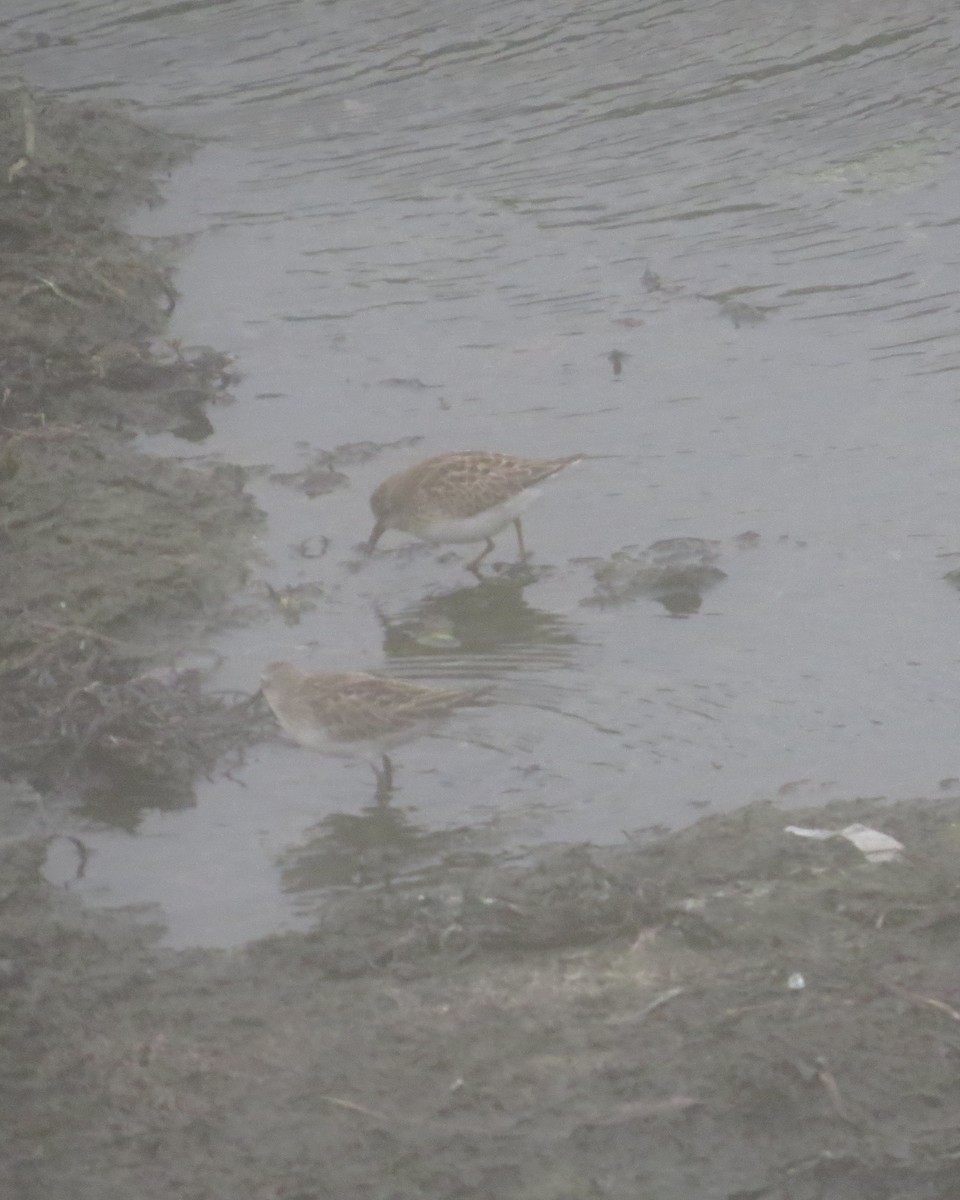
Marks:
<point>384,776</point>
<point>474,564</point>
<point>519,529</point>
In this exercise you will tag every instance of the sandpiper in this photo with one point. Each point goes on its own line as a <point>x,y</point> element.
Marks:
<point>467,496</point>
<point>353,714</point>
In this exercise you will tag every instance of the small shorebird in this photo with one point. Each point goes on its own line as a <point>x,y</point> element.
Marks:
<point>467,496</point>
<point>353,714</point>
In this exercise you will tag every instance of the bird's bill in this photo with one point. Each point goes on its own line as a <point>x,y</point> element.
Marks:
<point>378,530</point>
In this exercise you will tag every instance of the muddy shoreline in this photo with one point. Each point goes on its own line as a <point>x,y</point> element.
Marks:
<point>731,1011</point>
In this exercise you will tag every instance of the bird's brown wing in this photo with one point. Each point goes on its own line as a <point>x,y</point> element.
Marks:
<point>476,481</point>
<point>370,707</point>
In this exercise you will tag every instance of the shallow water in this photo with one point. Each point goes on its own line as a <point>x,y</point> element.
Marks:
<point>420,222</point>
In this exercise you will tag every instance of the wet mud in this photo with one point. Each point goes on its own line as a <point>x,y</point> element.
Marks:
<point>733,1011</point>
<point>728,1012</point>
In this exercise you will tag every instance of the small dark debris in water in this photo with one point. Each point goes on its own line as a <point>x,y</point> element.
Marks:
<point>313,547</point>
<point>792,786</point>
<point>736,310</point>
<point>747,540</point>
<point>318,479</point>
<point>617,358</point>
<point>41,40</point>
<point>674,571</point>
<point>953,578</point>
<point>413,385</point>
<point>78,856</point>
<point>741,313</point>
<point>520,572</point>
<point>351,453</point>
<point>294,600</point>
<point>653,282</point>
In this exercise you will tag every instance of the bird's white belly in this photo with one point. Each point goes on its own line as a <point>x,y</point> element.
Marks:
<point>482,525</point>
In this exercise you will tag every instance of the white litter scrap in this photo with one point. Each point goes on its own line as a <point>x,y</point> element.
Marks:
<point>877,847</point>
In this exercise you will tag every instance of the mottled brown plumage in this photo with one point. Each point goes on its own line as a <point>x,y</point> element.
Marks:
<point>346,713</point>
<point>467,496</point>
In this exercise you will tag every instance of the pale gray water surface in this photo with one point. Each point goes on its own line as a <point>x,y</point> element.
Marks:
<point>436,221</point>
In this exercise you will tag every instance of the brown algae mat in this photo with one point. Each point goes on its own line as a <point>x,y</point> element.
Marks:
<point>111,560</point>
